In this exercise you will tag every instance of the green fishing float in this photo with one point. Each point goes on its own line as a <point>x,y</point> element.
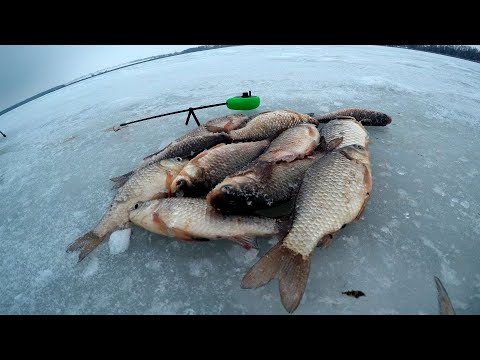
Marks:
<point>244,102</point>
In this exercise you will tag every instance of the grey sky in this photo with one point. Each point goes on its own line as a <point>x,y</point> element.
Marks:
<point>26,70</point>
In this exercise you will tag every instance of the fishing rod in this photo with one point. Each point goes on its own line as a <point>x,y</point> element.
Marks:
<point>244,102</point>
<point>3,134</point>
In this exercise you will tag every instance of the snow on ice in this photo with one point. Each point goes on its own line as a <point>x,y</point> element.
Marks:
<point>59,155</point>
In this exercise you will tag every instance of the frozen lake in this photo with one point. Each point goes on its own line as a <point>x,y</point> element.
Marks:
<point>423,218</point>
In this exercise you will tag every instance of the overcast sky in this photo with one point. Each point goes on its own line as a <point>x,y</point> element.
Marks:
<point>26,70</point>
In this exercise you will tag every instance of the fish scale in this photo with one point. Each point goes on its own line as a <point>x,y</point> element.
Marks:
<point>213,132</point>
<point>352,132</point>
<point>294,143</point>
<point>331,205</point>
<point>211,166</point>
<point>148,183</point>
<point>270,123</point>
<point>192,218</point>
<point>333,193</point>
<point>252,191</point>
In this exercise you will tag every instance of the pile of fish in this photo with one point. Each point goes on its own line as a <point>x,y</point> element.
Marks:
<point>213,183</point>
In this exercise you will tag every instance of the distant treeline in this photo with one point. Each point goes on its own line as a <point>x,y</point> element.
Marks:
<point>104,71</point>
<point>151,58</point>
<point>460,51</point>
<point>31,98</point>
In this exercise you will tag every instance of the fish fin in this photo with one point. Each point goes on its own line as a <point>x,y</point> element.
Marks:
<point>364,205</point>
<point>279,156</point>
<point>146,158</point>
<point>322,146</point>
<point>263,168</point>
<point>367,178</point>
<point>121,180</point>
<point>116,178</point>
<point>288,157</point>
<point>444,304</point>
<point>246,241</point>
<point>326,241</point>
<point>332,144</point>
<point>345,117</point>
<point>214,129</point>
<point>86,244</point>
<point>182,234</point>
<point>290,267</point>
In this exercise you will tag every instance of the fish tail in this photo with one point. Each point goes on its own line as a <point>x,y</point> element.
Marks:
<point>86,244</point>
<point>291,268</point>
<point>261,168</point>
<point>121,180</point>
<point>444,304</point>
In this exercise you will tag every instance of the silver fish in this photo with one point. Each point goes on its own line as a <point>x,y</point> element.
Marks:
<point>365,116</point>
<point>334,192</point>
<point>260,187</point>
<point>148,183</point>
<point>211,166</point>
<point>351,131</point>
<point>270,123</point>
<point>217,125</point>
<point>294,143</point>
<point>192,219</point>
<point>185,148</point>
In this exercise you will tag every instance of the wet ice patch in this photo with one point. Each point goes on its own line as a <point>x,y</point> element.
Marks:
<point>429,243</point>
<point>465,204</point>
<point>241,256</point>
<point>119,241</point>
<point>449,274</point>
<point>385,230</point>
<point>43,277</point>
<point>250,256</point>
<point>91,268</point>
<point>65,191</point>
<point>438,190</point>
<point>200,268</point>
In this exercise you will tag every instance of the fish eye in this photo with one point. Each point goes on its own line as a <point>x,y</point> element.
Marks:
<point>179,159</point>
<point>136,206</point>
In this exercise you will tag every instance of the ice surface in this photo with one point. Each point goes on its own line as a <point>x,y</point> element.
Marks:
<point>119,241</point>
<point>58,157</point>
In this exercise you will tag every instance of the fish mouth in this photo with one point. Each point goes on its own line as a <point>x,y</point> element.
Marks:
<point>179,187</point>
<point>183,187</point>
